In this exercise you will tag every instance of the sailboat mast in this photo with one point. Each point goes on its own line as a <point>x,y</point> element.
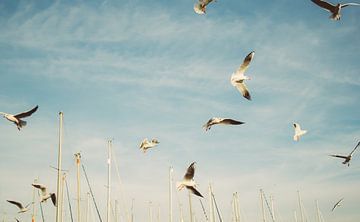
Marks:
<point>300,206</point>
<point>58,207</point>
<point>211,205</point>
<point>190,207</point>
<point>262,205</point>
<point>78,157</point>
<point>170,195</point>
<point>33,204</point>
<point>109,181</point>
<point>317,210</point>
<point>272,208</point>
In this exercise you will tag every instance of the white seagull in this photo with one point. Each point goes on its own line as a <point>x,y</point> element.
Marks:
<point>333,9</point>
<point>337,204</point>
<point>17,119</point>
<point>20,206</point>
<point>200,6</point>
<point>188,181</point>
<point>238,77</point>
<point>146,144</point>
<point>298,132</point>
<point>348,157</point>
<point>217,120</point>
<point>44,194</point>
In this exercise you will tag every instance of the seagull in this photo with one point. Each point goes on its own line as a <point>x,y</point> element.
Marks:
<point>44,194</point>
<point>200,6</point>
<point>146,144</point>
<point>298,131</point>
<point>188,181</point>
<point>333,9</point>
<point>238,77</point>
<point>217,120</point>
<point>337,204</point>
<point>19,205</point>
<point>348,157</point>
<point>17,119</point>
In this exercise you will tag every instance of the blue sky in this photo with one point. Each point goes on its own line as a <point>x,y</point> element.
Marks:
<point>134,69</point>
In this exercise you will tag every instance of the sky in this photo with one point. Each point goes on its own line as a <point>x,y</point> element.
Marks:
<point>129,70</point>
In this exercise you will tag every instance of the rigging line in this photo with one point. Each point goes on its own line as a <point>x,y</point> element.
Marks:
<point>217,209</point>
<point>268,206</point>
<point>68,196</point>
<point>92,195</point>
<point>203,208</point>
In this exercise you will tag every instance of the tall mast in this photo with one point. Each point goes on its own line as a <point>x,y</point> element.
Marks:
<point>87,206</point>
<point>150,211</point>
<point>237,207</point>
<point>132,210</point>
<point>170,195</point>
<point>109,181</point>
<point>300,206</point>
<point>78,157</point>
<point>190,207</point>
<point>317,211</point>
<point>33,204</point>
<point>262,205</point>
<point>58,206</point>
<point>158,214</point>
<point>211,205</point>
<point>295,216</point>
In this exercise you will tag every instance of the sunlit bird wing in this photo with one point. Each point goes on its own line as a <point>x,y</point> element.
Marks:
<point>325,5</point>
<point>243,67</point>
<point>231,122</point>
<point>190,172</point>
<point>19,205</point>
<point>194,191</point>
<point>26,114</point>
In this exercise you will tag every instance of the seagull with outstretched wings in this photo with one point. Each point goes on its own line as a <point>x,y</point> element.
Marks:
<point>333,9</point>
<point>188,181</point>
<point>348,157</point>
<point>44,194</point>
<point>298,131</point>
<point>146,144</point>
<point>238,77</point>
<point>20,206</point>
<point>17,119</point>
<point>338,204</point>
<point>200,6</point>
<point>224,121</point>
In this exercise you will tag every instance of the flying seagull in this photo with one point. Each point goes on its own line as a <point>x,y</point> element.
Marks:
<point>337,204</point>
<point>333,9</point>
<point>44,194</point>
<point>238,78</point>
<point>188,181</point>
<point>348,157</point>
<point>200,6</point>
<point>217,120</point>
<point>19,205</point>
<point>17,119</point>
<point>146,144</point>
<point>298,131</point>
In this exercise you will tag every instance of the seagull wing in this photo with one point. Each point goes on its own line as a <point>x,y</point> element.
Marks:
<point>243,89</point>
<point>339,156</point>
<point>231,122</point>
<point>194,191</point>
<point>349,4</point>
<point>53,198</point>
<point>354,149</point>
<point>26,114</point>
<point>206,2</point>
<point>19,205</point>
<point>41,187</point>
<point>325,5</point>
<point>190,172</point>
<point>243,67</point>
<point>337,204</point>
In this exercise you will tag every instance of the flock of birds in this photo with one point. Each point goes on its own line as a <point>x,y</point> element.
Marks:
<point>238,79</point>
